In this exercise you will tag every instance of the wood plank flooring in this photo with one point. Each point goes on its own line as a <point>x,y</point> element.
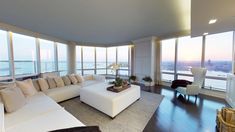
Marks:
<point>177,115</point>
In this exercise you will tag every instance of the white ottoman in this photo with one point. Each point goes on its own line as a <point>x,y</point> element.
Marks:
<point>108,102</point>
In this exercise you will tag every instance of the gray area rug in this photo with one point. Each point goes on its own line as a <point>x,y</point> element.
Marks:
<point>132,119</point>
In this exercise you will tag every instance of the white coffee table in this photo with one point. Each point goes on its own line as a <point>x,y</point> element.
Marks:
<point>108,102</point>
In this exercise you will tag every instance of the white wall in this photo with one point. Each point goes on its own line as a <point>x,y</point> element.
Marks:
<point>144,58</point>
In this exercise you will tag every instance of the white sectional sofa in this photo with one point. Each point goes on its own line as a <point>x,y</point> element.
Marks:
<point>41,113</point>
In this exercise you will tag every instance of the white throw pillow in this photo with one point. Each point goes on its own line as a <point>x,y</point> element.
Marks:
<point>79,78</point>
<point>73,79</point>
<point>59,82</point>
<point>88,77</point>
<point>27,87</point>
<point>43,84</point>
<point>2,128</point>
<point>12,98</point>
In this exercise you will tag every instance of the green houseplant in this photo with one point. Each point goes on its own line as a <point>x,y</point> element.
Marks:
<point>147,80</point>
<point>118,83</point>
<point>132,79</point>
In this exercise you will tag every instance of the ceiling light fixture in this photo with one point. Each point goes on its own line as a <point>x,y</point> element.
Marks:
<point>212,21</point>
<point>205,34</point>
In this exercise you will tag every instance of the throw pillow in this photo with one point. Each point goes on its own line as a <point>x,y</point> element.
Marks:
<point>7,84</point>
<point>59,82</point>
<point>36,84</point>
<point>43,84</point>
<point>73,79</point>
<point>66,80</point>
<point>79,78</point>
<point>88,77</point>
<point>51,82</point>
<point>27,87</point>
<point>12,98</point>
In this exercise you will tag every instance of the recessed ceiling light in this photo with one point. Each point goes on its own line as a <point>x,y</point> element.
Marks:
<point>205,33</point>
<point>212,21</point>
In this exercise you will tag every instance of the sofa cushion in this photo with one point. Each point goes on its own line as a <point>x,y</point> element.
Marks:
<point>36,85</point>
<point>27,87</point>
<point>12,98</point>
<point>73,79</point>
<point>45,122</point>
<point>79,78</point>
<point>88,77</point>
<point>36,105</point>
<point>51,82</point>
<point>63,93</point>
<point>59,82</point>
<point>2,120</point>
<point>43,84</point>
<point>66,80</point>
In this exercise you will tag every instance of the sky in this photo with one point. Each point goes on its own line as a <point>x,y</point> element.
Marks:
<point>218,48</point>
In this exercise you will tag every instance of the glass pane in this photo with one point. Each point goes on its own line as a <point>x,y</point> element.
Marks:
<point>100,57</point>
<point>111,72</point>
<point>123,72</point>
<point>111,55</point>
<point>62,57</point>
<point>185,78</point>
<point>63,73</point>
<point>167,77</point>
<point>218,54</point>
<point>24,54</point>
<point>88,58</point>
<point>123,54</point>
<point>79,72</point>
<point>187,57</point>
<point>47,55</point>
<point>78,57</point>
<point>215,84</point>
<point>88,72</point>
<point>168,55</point>
<point>4,58</point>
<point>101,71</point>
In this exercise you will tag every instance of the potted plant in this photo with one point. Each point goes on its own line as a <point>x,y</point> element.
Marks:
<point>132,79</point>
<point>147,80</point>
<point>118,83</point>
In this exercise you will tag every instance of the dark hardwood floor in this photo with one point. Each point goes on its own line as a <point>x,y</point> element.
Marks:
<point>177,115</point>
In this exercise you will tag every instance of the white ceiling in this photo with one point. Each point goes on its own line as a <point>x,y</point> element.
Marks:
<point>204,10</point>
<point>98,21</point>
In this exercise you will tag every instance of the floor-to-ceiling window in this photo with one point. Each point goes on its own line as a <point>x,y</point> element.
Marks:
<point>123,60</point>
<point>168,59</point>
<point>100,60</point>
<point>47,55</point>
<point>111,59</point>
<point>88,60</point>
<point>218,59</point>
<point>189,55</point>
<point>24,48</point>
<point>4,55</point>
<point>62,58</point>
<point>215,54</point>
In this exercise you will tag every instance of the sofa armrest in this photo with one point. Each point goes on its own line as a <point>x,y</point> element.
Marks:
<point>99,78</point>
<point>192,89</point>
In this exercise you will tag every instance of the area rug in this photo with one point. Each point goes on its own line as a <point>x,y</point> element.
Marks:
<point>132,119</point>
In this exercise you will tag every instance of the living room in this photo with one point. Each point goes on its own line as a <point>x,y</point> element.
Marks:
<point>117,66</point>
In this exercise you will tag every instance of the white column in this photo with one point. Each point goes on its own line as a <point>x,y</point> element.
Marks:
<point>71,58</point>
